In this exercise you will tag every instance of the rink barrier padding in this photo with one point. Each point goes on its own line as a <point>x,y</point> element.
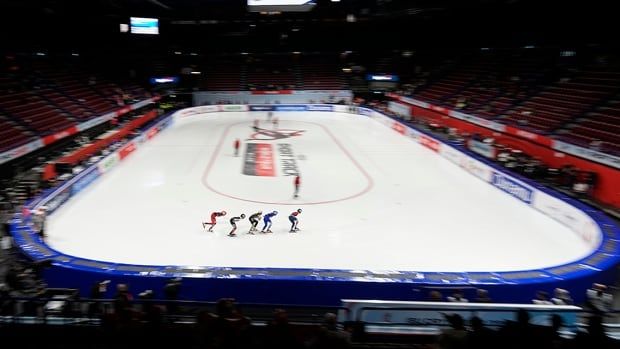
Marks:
<point>328,286</point>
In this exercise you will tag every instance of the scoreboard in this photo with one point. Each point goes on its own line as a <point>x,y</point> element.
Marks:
<point>280,5</point>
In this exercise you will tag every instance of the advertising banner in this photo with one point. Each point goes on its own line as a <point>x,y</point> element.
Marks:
<point>152,132</point>
<point>400,128</point>
<point>94,122</point>
<point>478,121</point>
<point>280,92</point>
<point>49,139</point>
<point>399,108</point>
<point>570,216</point>
<point>20,151</point>
<point>451,154</point>
<point>261,108</point>
<point>434,314</point>
<point>234,107</point>
<point>513,187</point>
<point>484,149</point>
<point>590,154</point>
<point>290,107</point>
<point>415,102</point>
<point>320,107</point>
<point>123,110</point>
<point>429,143</point>
<point>58,198</point>
<point>106,164</point>
<point>341,108</point>
<point>365,111</point>
<point>476,168</point>
<point>89,176</point>
<point>127,149</point>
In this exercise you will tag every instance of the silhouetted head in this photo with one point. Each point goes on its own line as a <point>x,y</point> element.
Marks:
<point>556,322</point>
<point>523,317</point>
<point>456,321</point>
<point>476,323</point>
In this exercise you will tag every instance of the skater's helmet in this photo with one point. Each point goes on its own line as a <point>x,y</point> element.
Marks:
<point>223,213</point>
<point>260,212</point>
<point>275,212</point>
<point>242,215</point>
<point>299,210</point>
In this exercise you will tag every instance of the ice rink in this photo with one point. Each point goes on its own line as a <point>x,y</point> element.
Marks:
<point>371,200</point>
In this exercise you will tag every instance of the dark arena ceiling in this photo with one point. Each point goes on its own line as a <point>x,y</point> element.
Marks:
<point>227,25</point>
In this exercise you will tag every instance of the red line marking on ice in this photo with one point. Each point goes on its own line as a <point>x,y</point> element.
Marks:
<point>344,150</point>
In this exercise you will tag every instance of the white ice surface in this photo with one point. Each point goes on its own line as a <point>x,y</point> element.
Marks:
<point>371,200</point>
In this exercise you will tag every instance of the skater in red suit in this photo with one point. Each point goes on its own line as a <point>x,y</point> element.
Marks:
<point>294,220</point>
<point>237,145</point>
<point>214,215</point>
<point>297,183</point>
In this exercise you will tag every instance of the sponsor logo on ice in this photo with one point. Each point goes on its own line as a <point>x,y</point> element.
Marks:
<point>258,160</point>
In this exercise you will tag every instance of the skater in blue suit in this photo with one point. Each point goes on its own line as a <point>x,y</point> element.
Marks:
<point>267,221</point>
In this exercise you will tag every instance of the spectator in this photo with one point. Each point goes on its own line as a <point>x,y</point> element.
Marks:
<point>591,180</point>
<point>97,291</point>
<point>456,336</point>
<point>568,174</point>
<point>597,300</point>
<point>330,336</point>
<point>279,333</point>
<point>480,337</point>
<point>595,337</point>
<point>151,313</point>
<point>435,296</point>
<point>482,296</point>
<point>229,327</point>
<point>38,220</point>
<point>171,293</point>
<point>596,144</point>
<point>554,338</point>
<point>561,297</point>
<point>519,334</point>
<point>580,185</point>
<point>542,298</point>
<point>457,297</point>
<point>122,303</point>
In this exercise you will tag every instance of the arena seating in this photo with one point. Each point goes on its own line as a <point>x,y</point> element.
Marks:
<point>603,123</point>
<point>273,72</point>
<point>535,89</point>
<point>319,73</point>
<point>11,134</point>
<point>41,96</point>
<point>270,73</point>
<point>222,75</point>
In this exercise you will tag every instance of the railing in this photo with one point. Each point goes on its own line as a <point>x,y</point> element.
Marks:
<point>90,312</point>
<point>87,311</point>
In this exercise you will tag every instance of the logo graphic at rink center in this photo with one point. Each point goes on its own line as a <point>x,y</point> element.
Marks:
<point>260,157</point>
<point>272,135</point>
